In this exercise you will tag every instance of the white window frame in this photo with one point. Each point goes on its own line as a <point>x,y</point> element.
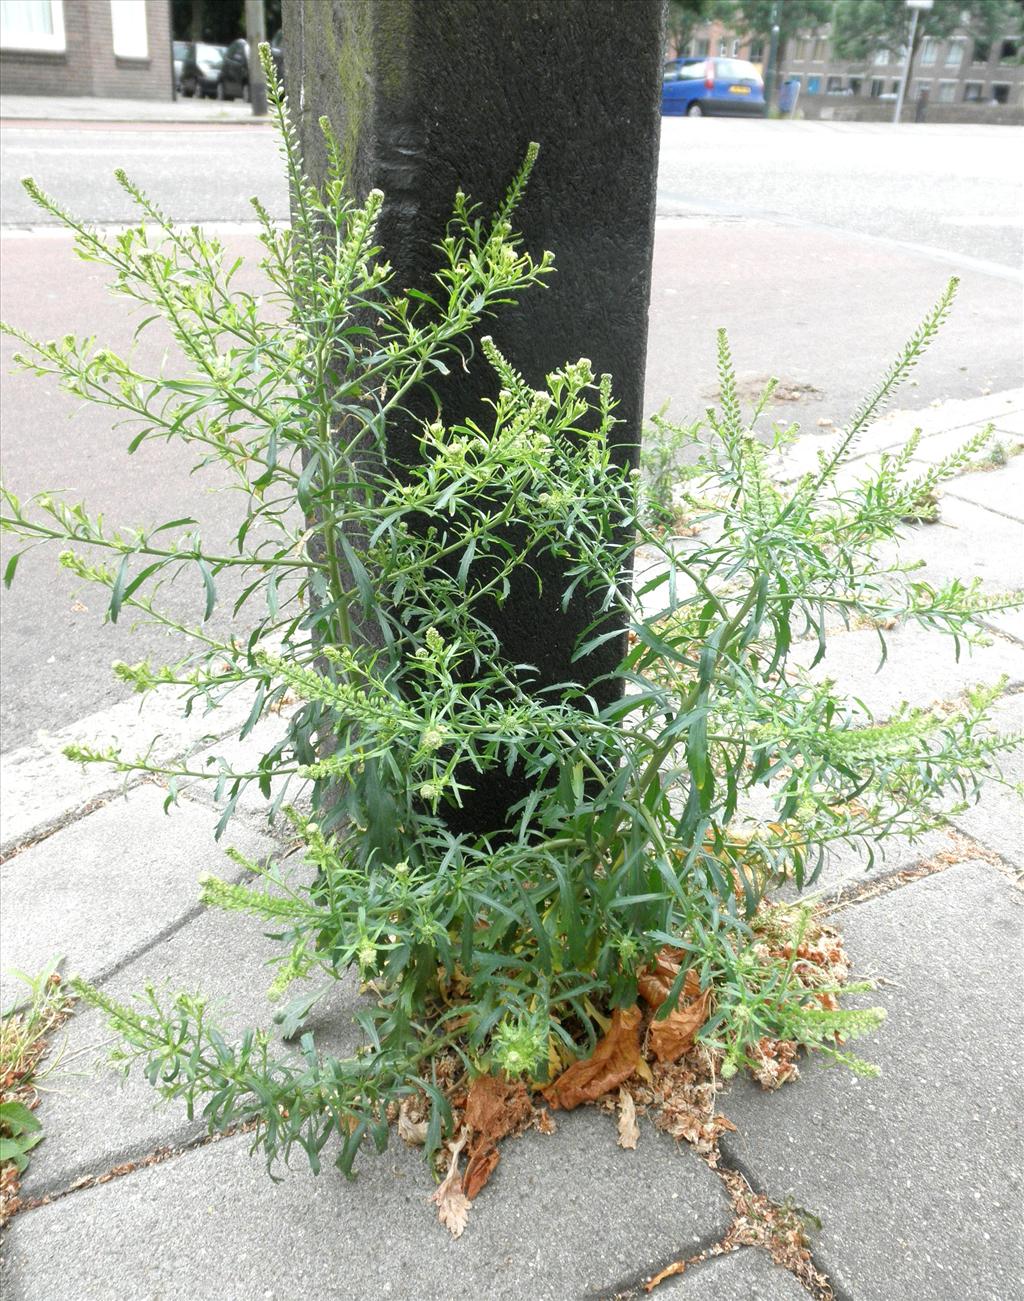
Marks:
<point>47,42</point>
<point>955,54</point>
<point>126,36</point>
<point>929,51</point>
<point>947,93</point>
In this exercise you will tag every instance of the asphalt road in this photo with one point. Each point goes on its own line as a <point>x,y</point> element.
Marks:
<point>818,245</point>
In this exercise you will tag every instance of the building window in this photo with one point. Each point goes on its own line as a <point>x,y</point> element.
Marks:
<point>834,86</point>
<point>922,88</point>
<point>799,51</point>
<point>895,88</point>
<point>723,49</point>
<point>701,48</point>
<point>982,52</point>
<point>955,54</point>
<point>881,58</point>
<point>1000,92</point>
<point>929,50</point>
<point>947,92</point>
<point>856,83</point>
<point>820,51</point>
<point>128,20</point>
<point>972,92</point>
<point>877,88</point>
<point>756,52</point>
<point>32,25</point>
<point>1008,51</point>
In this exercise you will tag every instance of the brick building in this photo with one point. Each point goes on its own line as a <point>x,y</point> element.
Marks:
<point>959,80</point>
<point>116,48</point>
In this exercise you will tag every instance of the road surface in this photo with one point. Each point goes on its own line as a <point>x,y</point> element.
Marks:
<point>818,245</point>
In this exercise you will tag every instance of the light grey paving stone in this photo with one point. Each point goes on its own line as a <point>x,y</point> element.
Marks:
<point>957,413</point>
<point>937,447</point>
<point>920,666</point>
<point>41,788</point>
<point>848,866</point>
<point>93,1118</point>
<point>970,542</point>
<point>101,889</point>
<point>1000,490</point>
<point>916,1175</point>
<point>566,1215</point>
<point>244,756</point>
<point>1011,424</point>
<point>997,821</point>
<point>745,1275</point>
<point>954,420</point>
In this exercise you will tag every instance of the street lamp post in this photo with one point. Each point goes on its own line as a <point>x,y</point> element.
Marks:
<point>915,7</point>
<point>772,72</point>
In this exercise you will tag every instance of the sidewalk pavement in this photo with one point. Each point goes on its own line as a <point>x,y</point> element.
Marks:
<point>916,1176</point>
<point>79,109</point>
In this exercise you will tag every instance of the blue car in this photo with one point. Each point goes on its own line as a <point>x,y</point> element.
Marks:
<point>694,87</point>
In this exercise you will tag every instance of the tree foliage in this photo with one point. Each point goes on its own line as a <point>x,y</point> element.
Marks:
<point>755,17</point>
<point>862,27</point>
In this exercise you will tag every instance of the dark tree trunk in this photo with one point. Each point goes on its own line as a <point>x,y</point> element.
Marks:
<point>428,97</point>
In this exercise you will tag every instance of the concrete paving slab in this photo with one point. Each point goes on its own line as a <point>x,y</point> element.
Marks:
<point>920,666</point>
<point>937,447</point>
<point>745,1275</point>
<point>102,889</point>
<point>971,542</point>
<point>93,1118</point>
<point>848,866</point>
<point>244,756</point>
<point>40,788</point>
<point>944,426</point>
<point>997,821</point>
<point>1000,490</point>
<point>565,1215</point>
<point>893,428</point>
<point>1012,424</point>
<point>916,1175</point>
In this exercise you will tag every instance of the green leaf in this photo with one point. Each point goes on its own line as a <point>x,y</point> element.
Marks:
<point>17,1118</point>
<point>11,568</point>
<point>211,589</point>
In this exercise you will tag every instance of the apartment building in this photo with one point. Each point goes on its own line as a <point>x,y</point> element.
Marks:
<point>959,80</point>
<point>116,48</point>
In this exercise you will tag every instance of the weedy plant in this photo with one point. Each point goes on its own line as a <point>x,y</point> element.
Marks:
<point>24,1029</point>
<point>370,585</point>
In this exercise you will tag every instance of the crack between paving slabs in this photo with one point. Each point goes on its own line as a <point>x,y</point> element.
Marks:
<point>964,849</point>
<point>821,1288</point>
<point>130,1164</point>
<point>98,801</point>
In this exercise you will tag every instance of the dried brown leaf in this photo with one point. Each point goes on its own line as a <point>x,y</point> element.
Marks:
<point>629,1130</point>
<point>452,1203</point>
<point>613,1061</point>
<point>676,1267</point>
<point>495,1107</point>
<point>411,1129</point>
<point>545,1121</point>
<point>672,1037</point>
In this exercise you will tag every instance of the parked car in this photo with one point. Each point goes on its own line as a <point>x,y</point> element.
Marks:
<point>696,87</point>
<point>234,83</point>
<point>200,73</point>
<point>180,51</point>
